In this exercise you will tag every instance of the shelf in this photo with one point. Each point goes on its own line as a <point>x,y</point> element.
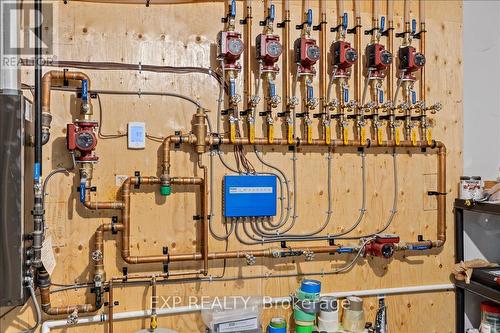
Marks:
<point>478,207</point>
<point>480,289</point>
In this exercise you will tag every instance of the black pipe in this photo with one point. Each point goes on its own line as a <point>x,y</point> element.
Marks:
<point>38,83</point>
<point>38,209</point>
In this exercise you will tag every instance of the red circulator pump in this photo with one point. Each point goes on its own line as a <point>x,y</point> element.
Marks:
<point>343,56</point>
<point>307,53</point>
<point>410,61</point>
<point>81,138</point>
<point>378,59</point>
<point>382,246</point>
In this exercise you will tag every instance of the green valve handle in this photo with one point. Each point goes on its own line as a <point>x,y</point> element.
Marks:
<point>165,190</point>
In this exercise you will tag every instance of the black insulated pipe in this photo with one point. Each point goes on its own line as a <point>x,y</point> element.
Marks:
<point>38,209</point>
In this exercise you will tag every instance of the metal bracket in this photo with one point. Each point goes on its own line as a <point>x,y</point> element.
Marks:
<point>245,20</point>
<point>436,193</point>
<point>335,29</point>
<point>264,113</point>
<point>165,264</point>
<point>318,27</point>
<point>418,35</point>
<point>92,189</point>
<point>65,79</point>
<point>137,185</point>
<point>282,24</point>
<point>353,29</point>
<point>283,244</point>
<point>125,273</point>
<point>385,33</point>
<point>331,241</point>
<point>196,217</point>
<point>114,221</point>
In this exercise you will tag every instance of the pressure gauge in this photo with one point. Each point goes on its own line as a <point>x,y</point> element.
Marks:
<point>386,57</point>
<point>235,46</point>
<point>84,140</point>
<point>419,59</point>
<point>274,49</point>
<point>313,52</point>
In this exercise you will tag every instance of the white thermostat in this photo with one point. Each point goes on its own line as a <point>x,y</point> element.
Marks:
<point>136,135</point>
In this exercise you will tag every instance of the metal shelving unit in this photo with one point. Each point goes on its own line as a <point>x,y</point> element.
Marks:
<point>474,287</point>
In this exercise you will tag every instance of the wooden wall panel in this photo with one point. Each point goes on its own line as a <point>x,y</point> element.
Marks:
<point>185,35</point>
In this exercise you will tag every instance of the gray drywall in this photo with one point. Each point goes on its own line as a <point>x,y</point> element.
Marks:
<point>481,88</point>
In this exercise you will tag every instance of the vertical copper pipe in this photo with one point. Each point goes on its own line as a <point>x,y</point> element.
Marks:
<point>248,53</point>
<point>422,49</point>
<point>358,71</point>
<point>204,216</point>
<point>286,53</point>
<point>442,194</point>
<point>323,60</point>
<point>390,46</point>
<point>110,306</point>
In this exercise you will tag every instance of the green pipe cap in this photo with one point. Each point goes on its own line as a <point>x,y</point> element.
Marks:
<point>165,190</point>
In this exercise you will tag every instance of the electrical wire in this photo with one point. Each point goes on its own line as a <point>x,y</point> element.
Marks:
<point>126,66</point>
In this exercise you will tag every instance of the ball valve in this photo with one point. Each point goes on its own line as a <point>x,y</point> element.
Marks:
<point>382,246</point>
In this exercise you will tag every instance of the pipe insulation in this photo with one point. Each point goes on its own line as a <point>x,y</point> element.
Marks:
<point>52,324</point>
<point>10,73</point>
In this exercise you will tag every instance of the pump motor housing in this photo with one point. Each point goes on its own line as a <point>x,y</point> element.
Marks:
<point>268,49</point>
<point>410,60</point>
<point>307,53</point>
<point>230,48</point>
<point>378,58</point>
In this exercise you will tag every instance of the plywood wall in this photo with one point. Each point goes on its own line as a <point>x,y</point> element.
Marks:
<point>184,35</point>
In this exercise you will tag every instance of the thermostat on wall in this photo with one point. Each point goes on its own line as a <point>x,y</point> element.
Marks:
<point>136,135</point>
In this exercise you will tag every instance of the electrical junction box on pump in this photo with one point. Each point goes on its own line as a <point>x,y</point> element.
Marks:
<point>249,196</point>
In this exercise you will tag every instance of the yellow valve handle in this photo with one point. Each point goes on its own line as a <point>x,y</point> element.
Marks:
<point>328,133</point>
<point>154,323</point>
<point>429,136</point>
<point>345,135</point>
<point>379,135</point>
<point>270,133</point>
<point>290,134</point>
<point>397,136</point>
<point>233,133</point>
<point>363,136</point>
<point>413,137</point>
<point>251,132</point>
<point>309,134</point>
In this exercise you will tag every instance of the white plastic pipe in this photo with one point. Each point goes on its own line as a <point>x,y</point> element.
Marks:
<point>9,36</point>
<point>51,324</point>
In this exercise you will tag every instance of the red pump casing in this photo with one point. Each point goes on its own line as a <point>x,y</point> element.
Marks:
<point>410,60</point>
<point>81,137</point>
<point>307,53</point>
<point>378,59</point>
<point>343,56</point>
<point>268,49</point>
<point>230,48</point>
<point>382,246</point>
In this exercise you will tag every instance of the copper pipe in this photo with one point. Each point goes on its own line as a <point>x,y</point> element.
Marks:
<point>204,217</point>
<point>422,50</point>
<point>248,53</point>
<point>358,72</point>
<point>323,60</point>
<point>47,81</point>
<point>286,50</point>
<point>407,25</point>
<point>390,48</point>
<point>110,307</point>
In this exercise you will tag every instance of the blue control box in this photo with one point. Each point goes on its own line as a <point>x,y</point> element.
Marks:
<point>249,196</point>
